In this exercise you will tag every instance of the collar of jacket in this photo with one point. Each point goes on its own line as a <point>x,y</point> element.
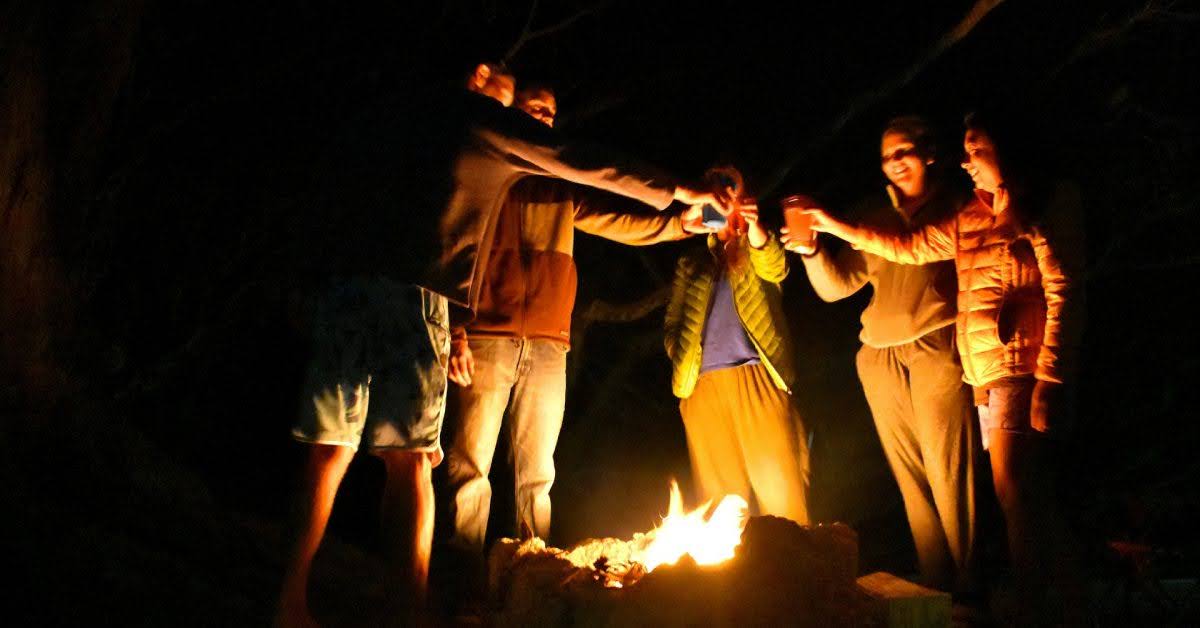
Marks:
<point>988,199</point>
<point>893,193</point>
<point>715,243</point>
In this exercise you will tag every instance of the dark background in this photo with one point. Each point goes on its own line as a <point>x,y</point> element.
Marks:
<point>162,169</point>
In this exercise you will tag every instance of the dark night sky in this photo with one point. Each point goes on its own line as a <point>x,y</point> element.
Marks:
<point>177,237</point>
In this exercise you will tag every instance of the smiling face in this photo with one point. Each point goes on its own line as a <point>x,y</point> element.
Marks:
<point>902,164</point>
<point>539,103</point>
<point>980,161</point>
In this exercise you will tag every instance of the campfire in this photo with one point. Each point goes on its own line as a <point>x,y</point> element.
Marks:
<point>710,565</point>
<point>709,540</point>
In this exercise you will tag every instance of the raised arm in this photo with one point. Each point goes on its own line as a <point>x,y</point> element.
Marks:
<point>835,276</point>
<point>599,215</point>
<point>934,242</point>
<point>769,261</point>
<point>521,137</point>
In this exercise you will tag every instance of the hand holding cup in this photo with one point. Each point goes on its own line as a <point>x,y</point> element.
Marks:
<point>797,234</point>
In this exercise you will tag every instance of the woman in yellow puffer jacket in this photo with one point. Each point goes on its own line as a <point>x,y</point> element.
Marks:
<point>1018,252</point>
<point>732,369</point>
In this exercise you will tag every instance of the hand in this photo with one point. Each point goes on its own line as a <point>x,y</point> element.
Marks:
<point>803,247</point>
<point>1000,199</point>
<point>1047,407</point>
<point>462,363</point>
<point>692,220</point>
<point>757,236</point>
<point>822,222</point>
<point>691,196</point>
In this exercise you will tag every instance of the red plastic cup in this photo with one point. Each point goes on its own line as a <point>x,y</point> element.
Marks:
<point>799,224</point>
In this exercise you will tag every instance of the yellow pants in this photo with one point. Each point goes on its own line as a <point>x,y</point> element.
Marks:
<point>744,434</point>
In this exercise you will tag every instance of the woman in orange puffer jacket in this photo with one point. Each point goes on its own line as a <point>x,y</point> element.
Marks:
<point>1018,253</point>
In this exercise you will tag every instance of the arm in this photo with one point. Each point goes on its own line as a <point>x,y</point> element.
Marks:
<point>836,276</point>
<point>461,368</point>
<point>769,262</point>
<point>674,318</point>
<point>518,136</point>
<point>1060,249</point>
<point>592,215</point>
<point>932,243</point>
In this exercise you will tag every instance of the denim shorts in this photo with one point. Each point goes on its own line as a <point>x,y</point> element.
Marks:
<point>378,368</point>
<point>1008,407</point>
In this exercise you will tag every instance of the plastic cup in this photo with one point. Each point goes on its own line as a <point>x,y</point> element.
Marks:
<point>799,224</point>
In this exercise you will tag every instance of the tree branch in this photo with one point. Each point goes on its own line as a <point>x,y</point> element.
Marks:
<point>528,34</point>
<point>605,312</point>
<point>1103,37</point>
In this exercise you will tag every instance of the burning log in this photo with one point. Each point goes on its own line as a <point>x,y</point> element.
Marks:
<point>780,574</point>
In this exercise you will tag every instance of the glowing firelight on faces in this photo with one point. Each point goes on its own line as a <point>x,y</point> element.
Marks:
<point>708,540</point>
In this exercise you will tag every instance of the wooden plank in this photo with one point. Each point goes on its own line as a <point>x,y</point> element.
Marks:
<point>897,603</point>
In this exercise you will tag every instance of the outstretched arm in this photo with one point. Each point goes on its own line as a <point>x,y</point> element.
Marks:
<point>518,136</point>
<point>599,215</point>
<point>835,276</point>
<point>932,243</point>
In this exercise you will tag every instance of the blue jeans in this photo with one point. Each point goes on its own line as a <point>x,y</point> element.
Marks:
<point>525,379</point>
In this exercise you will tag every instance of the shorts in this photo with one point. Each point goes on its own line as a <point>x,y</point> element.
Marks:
<point>1008,407</point>
<point>378,368</point>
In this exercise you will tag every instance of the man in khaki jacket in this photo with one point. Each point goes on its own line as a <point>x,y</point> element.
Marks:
<point>510,360</point>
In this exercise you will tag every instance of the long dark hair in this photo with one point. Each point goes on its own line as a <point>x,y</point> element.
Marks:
<point>1021,159</point>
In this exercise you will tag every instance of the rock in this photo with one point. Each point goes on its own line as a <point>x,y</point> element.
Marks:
<point>782,574</point>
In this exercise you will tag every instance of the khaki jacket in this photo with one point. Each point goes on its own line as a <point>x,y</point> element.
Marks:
<point>758,297</point>
<point>1020,300</point>
<point>492,149</point>
<point>528,288</point>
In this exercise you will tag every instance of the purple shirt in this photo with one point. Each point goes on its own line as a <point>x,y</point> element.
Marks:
<point>725,342</point>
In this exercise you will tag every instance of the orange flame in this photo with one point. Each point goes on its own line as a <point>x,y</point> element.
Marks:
<point>708,540</point>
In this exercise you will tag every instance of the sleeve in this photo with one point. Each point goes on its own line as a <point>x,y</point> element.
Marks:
<point>672,324</point>
<point>1060,247</point>
<point>596,215</point>
<point>933,242</point>
<point>582,163</point>
<point>770,262</point>
<point>836,276</point>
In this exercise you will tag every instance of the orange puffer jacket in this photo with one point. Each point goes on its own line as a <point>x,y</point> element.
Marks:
<point>1020,297</point>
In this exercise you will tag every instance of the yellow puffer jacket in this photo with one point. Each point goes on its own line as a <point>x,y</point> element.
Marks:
<point>1020,294</point>
<point>758,297</point>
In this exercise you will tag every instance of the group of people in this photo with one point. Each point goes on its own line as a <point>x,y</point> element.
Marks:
<point>490,312</point>
<point>1011,256</point>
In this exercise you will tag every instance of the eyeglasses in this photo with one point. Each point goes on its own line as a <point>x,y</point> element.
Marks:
<point>898,154</point>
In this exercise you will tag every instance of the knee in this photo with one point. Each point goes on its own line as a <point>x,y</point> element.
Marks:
<point>414,463</point>
<point>1011,491</point>
<point>330,455</point>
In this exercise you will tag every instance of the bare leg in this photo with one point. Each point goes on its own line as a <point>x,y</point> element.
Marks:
<point>323,474</point>
<point>407,527</point>
<point>1039,544</point>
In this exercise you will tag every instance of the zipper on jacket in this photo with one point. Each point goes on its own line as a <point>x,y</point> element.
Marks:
<point>754,341</point>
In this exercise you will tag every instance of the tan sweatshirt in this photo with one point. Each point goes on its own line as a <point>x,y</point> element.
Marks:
<point>907,301</point>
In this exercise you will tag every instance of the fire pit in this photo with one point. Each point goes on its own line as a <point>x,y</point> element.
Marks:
<point>697,568</point>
